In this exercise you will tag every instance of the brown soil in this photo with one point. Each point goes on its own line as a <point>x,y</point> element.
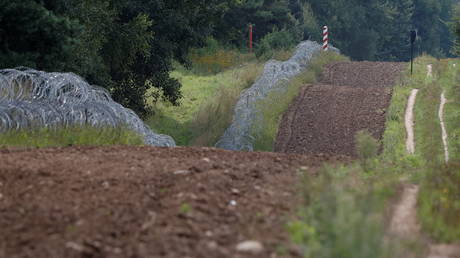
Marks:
<point>325,117</point>
<point>145,201</point>
<point>362,74</point>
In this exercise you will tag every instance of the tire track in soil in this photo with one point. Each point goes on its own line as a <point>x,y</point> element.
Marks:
<point>325,117</point>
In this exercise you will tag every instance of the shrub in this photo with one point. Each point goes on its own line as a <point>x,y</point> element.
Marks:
<point>439,202</point>
<point>367,148</point>
<point>276,40</point>
<point>340,221</point>
<point>215,58</point>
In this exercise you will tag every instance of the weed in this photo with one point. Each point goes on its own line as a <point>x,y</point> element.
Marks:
<point>185,208</point>
<point>367,148</point>
<point>341,221</point>
<point>439,193</point>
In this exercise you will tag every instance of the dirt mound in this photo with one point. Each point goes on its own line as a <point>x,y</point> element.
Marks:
<point>325,117</point>
<point>145,201</point>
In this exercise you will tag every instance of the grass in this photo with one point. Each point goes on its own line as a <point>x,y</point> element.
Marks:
<point>206,108</point>
<point>274,106</point>
<point>69,136</point>
<point>439,194</point>
<point>343,214</point>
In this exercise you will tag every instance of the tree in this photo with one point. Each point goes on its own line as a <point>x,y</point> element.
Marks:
<point>33,36</point>
<point>456,28</point>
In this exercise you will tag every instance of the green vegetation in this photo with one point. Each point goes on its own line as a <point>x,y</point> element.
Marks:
<point>129,46</point>
<point>69,136</point>
<point>343,214</point>
<point>206,109</point>
<point>367,149</point>
<point>274,106</point>
<point>438,200</point>
<point>456,28</point>
<point>185,208</point>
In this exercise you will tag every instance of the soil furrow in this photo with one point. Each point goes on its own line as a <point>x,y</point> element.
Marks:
<point>325,118</point>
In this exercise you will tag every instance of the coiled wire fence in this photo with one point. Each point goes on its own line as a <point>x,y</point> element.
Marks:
<point>31,99</point>
<point>239,135</point>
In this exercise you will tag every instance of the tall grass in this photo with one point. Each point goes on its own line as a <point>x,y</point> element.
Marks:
<point>69,136</point>
<point>343,215</point>
<point>206,109</point>
<point>214,58</point>
<point>439,198</point>
<point>273,107</point>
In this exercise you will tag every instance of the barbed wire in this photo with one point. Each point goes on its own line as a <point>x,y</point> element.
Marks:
<point>31,99</point>
<point>239,135</point>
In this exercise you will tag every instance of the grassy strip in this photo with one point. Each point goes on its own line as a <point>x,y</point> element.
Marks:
<point>206,108</point>
<point>439,200</point>
<point>451,85</point>
<point>75,135</point>
<point>394,137</point>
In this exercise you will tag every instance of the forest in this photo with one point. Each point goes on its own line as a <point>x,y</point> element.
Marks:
<point>129,46</point>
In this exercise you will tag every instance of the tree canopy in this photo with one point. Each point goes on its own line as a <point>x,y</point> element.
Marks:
<point>128,46</point>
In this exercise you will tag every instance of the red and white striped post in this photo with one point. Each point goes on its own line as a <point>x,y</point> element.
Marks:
<point>325,38</point>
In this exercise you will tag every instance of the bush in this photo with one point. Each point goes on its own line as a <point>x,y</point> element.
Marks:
<point>439,202</point>
<point>215,58</point>
<point>367,148</point>
<point>339,220</point>
<point>276,40</point>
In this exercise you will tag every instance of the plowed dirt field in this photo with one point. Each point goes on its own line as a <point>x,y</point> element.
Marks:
<point>145,201</point>
<point>325,117</point>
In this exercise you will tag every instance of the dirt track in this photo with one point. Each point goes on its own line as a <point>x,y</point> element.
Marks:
<point>144,201</point>
<point>325,117</point>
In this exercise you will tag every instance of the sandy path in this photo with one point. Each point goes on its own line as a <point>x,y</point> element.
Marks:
<point>443,126</point>
<point>409,122</point>
<point>404,222</point>
<point>429,70</point>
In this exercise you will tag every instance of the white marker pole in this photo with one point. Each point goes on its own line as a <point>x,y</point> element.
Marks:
<point>325,38</point>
